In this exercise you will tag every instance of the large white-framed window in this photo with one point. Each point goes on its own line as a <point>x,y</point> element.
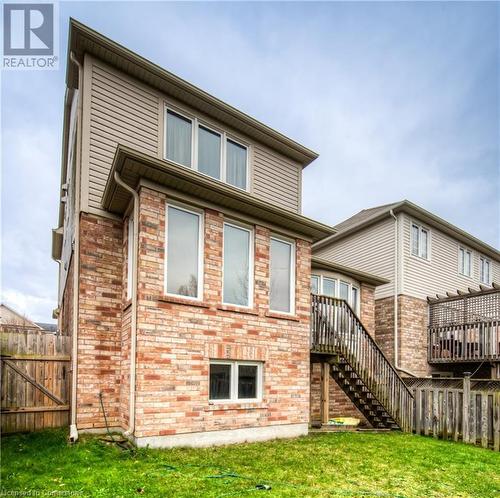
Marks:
<point>464,261</point>
<point>282,275</point>
<point>333,287</point>
<point>485,270</point>
<point>420,241</point>
<point>192,143</point>
<point>130,254</point>
<point>183,251</point>
<point>235,381</point>
<point>237,279</point>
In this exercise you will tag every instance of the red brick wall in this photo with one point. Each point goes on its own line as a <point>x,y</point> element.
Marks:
<point>367,308</point>
<point>175,340</point>
<point>99,320</point>
<point>412,332</point>
<point>413,335</point>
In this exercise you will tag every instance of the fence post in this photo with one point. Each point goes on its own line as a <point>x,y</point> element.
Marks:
<point>465,407</point>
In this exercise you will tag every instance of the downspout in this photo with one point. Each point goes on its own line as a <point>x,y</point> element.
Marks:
<point>73,430</point>
<point>133,326</point>
<point>396,292</point>
<point>396,285</point>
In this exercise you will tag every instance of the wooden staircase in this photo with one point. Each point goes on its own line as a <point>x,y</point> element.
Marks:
<point>358,365</point>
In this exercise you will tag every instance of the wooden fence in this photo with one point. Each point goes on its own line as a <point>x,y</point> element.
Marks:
<point>465,410</point>
<point>35,380</point>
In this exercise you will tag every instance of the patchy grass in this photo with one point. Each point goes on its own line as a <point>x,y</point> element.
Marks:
<point>320,465</point>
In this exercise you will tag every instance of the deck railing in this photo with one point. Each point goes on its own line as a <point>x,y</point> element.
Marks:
<point>336,329</point>
<point>469,342</point>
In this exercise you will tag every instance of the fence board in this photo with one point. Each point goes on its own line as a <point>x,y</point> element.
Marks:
<point>34,387</point>
<point>445,410</point>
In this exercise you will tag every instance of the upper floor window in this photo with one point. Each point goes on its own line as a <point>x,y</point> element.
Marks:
<point>183,253</point>
<point>465,261</point>
<point>331,287</point>
<point>419,241</point>
<point>282,275</point>
<point>238,258</point>
<point>195,145</point>
<point>485,270</point>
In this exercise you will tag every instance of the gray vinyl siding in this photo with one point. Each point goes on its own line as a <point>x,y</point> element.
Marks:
<point>121,112</point>
<point>276,179</point>
<point>440,274</point>
<point>124,111</point>
<point>371,249</point>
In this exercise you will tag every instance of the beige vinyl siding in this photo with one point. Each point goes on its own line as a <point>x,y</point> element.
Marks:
<point>371,249</point>
<point>276,179</point>
<point>121,112</point>
<point>124,111</point>
<point>440,274</point>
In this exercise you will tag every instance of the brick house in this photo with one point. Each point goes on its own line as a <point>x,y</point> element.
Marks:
<point>198,315</point>
<point>430,266</point>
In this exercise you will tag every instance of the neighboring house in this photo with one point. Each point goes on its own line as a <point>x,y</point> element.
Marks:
<point>12,320</point>
<point>426,260</point>
<point>9,316</point>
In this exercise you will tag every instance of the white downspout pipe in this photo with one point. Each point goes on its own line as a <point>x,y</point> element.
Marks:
<point>396,292</point>
<point>133,326</point>
<point>396,282</point>
<point>73,430</point>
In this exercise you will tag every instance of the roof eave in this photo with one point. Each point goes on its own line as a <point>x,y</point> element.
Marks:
<point>361,276</point>
<point>133,166</point>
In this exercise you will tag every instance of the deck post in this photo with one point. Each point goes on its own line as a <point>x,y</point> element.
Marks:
<point>325,392</point>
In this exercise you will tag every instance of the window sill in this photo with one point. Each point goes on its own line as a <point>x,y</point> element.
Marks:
<point>183,301</point>
<point>235,405</point>
<point>282,316</point>
<point>237,309</point>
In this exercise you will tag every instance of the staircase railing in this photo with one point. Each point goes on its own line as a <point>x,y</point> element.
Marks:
<point>336,329</point>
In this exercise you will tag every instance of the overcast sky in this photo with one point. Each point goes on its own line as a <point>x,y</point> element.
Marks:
<point>399,99</point>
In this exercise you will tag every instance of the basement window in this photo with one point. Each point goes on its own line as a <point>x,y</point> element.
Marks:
<point>235,380</point>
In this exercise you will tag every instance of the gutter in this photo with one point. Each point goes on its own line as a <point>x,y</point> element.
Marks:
<point>133,325</point>
<point>73,430</point>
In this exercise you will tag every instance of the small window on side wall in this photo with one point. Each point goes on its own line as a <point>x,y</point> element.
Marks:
<point>235,381</point>
<point>419,241</point>
<point>485,270</point>
<point>314,284</point>
<point>465,261</point>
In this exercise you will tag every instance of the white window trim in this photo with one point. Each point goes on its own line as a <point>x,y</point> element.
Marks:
<point>195,124</point>
<point>337,289</point>
<point>419,248</point>
<point>484,259</point>
<point>130,249</point>
<point>201,239</point>
<point>233,381</point>
<point>250,230</point>
<point>466,250</point>
<point>292,274</point>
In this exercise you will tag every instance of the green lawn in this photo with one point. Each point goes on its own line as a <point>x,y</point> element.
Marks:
<point>320,465</point>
